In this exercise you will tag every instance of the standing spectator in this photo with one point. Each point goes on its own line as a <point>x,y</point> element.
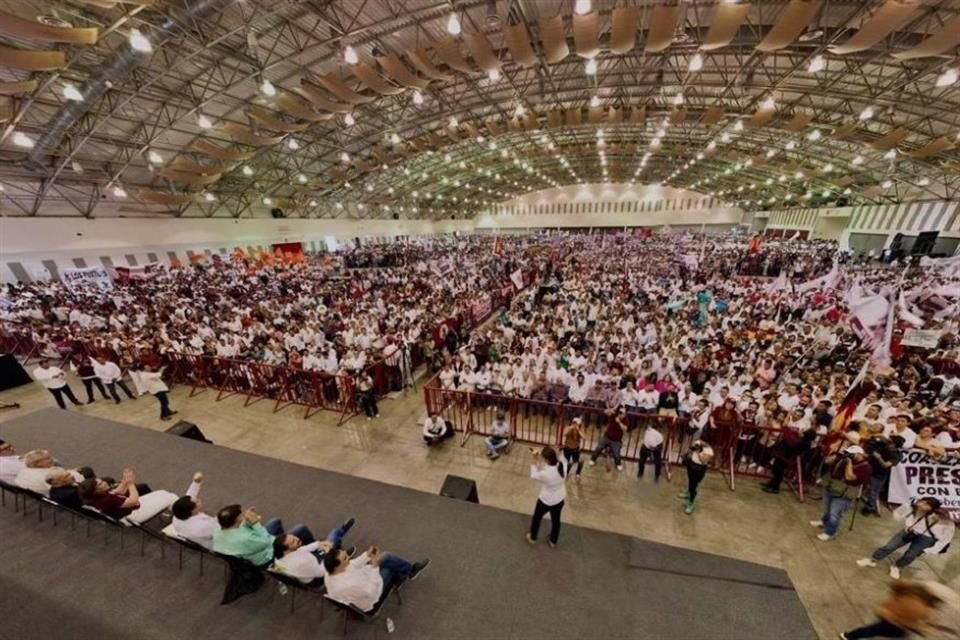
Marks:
<point>788,449</point>
<point>549,471</point>
<point>112,376</point>
<point>883,453</point>
<point>652,446</point>
<point>83,367</point>
<point>696,461</point>
<point>849,475</point>
<point>612,439</point>
<point>153,380</point>
<point>55,381</point>
<point>367,395</point>
<point>925,529</point>
<point>572,444</point>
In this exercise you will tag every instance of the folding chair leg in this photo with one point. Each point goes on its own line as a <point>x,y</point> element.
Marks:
<point>3,498</point>
<point>293,600</point>
<point>201,564</point>
<point>143,543</point>
<point>180,561</point>
<point>121,537</point>
<point>73,522</point>
<point>39,512</point>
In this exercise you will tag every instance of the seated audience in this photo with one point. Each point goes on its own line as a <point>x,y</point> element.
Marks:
<point>36,465</point>
<point>10,463</point>
<point>302,558</point>
<point>189,520</point>
<point>499,437</point>
<point>364,581</point>
<point>436,430</point>
<point>243,535</point>
<point>124,499</point>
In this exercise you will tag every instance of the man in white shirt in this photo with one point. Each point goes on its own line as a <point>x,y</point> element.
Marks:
<point>37,464</point>
<point>365,581</point>
<point>436,430</point>
<point>189,520</point>
<point>302,559</point>
<point>153,381</point>
<point>112,376</point>
<point>10,463</point>
<point>652,446</point>
<point>55,381</point>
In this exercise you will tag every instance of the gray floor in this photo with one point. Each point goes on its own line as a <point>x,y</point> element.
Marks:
<point>485,582</point>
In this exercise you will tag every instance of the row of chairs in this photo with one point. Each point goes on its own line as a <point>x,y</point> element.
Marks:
<point>233,566</point>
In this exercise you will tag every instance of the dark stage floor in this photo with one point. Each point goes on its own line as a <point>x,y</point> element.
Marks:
<point>485,581</point>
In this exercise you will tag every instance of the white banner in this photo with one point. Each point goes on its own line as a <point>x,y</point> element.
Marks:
<point>517,279</point>
<point>920,476</point>
<point>923,338</point>
<point>98,276</point>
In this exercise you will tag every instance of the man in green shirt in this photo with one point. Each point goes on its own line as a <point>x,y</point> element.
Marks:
<point>243,536</point>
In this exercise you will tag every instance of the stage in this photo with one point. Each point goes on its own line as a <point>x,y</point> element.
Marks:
<point>485,581</point>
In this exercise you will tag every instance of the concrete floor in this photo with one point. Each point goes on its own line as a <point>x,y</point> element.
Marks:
<point>746,524</point>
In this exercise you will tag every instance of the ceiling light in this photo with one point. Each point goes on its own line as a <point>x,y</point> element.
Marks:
<point>154,157</point>
<point>301,178</point>
<point>204,122</point>
<point>738,125</point>
<point>292,144</point>
<point>595,101</point>
<point>857,160</point>
<point>725,138</point>
<point>678,99</point>
<point>267,88</point>
<point>866,114</point>
<point>313,203</point>
<point>711,146</point>
<point>891,155</point>
<point>70,92</point>
<point>247,170</point>
<point>22,140</point>
<point>339,205</point>
<point>453,123</point>
<point>696,62</point>
<point>818,63</point>
<point>350,55</point>
<point>769,104</point>
<point>814,135</point>
<point>791,145</point>
<point>267,200</point>
<point>140,42</point>
<point>348,120</point>
<point>453,25</point>
<point>395,139</point>
<point>923,182</point>
<point>119,192</point>
<point>344,157</point>
<point>369,187</point>
<point>591,67</point>
<point>887,184</point>
<point>827,168</point>
<point>417,98</point>
<point>494,75</point>
<point>581,7</point>
<point>519,111</point>
<point>209,197</point>
<point>948,78</point>
<point>771,153</point>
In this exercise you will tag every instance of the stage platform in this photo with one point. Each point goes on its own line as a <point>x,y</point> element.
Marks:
<point>485,581</point>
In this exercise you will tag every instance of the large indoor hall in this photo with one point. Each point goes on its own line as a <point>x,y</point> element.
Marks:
<point>479,319</point>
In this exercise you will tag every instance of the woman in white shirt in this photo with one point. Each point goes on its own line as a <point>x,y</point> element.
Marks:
<point>548,470</point>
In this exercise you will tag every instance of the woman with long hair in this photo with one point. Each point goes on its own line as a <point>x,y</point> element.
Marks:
<point>696,461</point>
<point>925,529</point>
<point>547,469</point>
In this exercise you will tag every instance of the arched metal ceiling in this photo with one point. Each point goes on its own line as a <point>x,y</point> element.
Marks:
<point>775,114</point>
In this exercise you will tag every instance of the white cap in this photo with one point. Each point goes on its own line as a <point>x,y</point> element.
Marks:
<point>855,449</point>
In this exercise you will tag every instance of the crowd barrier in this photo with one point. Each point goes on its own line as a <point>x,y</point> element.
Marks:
<point>740,451</point>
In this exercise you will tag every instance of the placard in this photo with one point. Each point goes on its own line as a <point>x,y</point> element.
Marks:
<point>920,476</point>
<point>924,338</point>
<point>97,276</point>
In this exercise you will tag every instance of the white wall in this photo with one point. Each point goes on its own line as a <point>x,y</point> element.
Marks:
<point>723,216</point>
<point>31,241</point>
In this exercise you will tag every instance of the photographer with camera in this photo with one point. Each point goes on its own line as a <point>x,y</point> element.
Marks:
<point>849,475</point>
<point>883,453</point>
<point>925,530</point>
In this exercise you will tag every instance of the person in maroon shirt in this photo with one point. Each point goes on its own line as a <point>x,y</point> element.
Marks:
<point>117,502</point>
<point>612,439</point>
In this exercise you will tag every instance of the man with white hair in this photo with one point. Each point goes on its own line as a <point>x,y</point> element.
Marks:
<point>37,464</point>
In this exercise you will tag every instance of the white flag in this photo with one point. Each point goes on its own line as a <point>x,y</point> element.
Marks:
<point>517,279</point>
<point>780,284</point>
<point>825,282</point>
<point>905,313</point>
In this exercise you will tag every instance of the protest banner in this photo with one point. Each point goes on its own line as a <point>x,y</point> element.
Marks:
<point>920,476</point>
<point>96,276</point>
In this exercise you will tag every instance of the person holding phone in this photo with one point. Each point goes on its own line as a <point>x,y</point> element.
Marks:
<point>547,469</point>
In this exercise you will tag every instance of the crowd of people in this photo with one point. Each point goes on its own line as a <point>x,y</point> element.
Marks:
<point>240,532</point>
<point>762,355</point>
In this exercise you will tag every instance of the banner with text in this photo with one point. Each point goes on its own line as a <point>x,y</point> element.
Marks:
<point>96,276</point>
<point>920,476</point>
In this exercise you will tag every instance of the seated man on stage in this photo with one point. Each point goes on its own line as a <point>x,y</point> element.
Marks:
<point>436,430</point>
<point>302,559</point>
<point>36,465</point>
<point>189,520</point>
<point>242,535</point>
<point>364,581</point>
<point>64,489</point>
